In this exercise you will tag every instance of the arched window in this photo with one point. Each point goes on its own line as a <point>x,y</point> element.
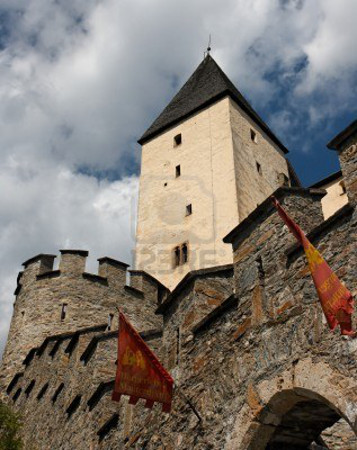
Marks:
<point>181,254</point>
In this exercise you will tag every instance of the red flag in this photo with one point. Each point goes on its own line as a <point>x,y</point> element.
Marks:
<point>139,372</point>
<point>336,300</point>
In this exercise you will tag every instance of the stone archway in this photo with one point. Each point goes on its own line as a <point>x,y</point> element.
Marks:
<point>302,425</point>
<point>291,410</point>
<point>294,419</point>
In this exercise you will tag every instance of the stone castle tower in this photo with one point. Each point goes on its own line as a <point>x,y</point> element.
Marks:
<point>208,160</point>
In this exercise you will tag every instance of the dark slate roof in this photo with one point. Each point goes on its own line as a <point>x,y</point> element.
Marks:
<point>205,86</point>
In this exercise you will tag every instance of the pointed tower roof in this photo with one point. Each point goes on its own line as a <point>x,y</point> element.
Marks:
<point>205,86</point>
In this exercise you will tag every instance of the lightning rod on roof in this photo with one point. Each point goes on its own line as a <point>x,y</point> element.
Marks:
<point>208,47</point>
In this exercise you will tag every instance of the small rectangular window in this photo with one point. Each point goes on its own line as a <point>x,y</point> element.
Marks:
<point>283,180</point>
<point>110,321</point>
<point>180,254</point>
<point>253,135</point>
<point>177,256</point>
<point>57,393</point>
<point>184,253</point>
<point>178,171</point>
<point>63,311</point>
<point>259,168</point>
<point>189,209</point>
<point>42,392</point>
<point>177,140</point>
<point>73,406</point>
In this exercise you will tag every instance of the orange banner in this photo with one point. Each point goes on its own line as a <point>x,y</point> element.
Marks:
<point>139,372</point>
<point>336,300</point>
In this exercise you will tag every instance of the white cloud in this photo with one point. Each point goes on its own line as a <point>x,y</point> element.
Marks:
<point>52,208</point>
<point>331,52</point>
<point>81,79</point>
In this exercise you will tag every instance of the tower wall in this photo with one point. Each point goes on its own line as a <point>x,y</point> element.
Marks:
<point>61,301</point>
<point>253,185</point>
<point>207,182</point>
<point>219,177</point>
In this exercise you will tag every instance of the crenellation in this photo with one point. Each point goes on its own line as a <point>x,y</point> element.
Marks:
<point>49,274</point>
<point>73,262</point>
<point>44,262</point>
<point>153,288</point>
<point>95,278</point>
<point>114,271</point>
<point>37,265</point>
<point>63,300</point>
<point>134,291</point>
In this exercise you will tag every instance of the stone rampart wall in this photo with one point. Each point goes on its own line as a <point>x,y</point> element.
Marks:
<point>89,299</point>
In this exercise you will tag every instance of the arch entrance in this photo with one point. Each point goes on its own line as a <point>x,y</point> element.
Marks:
<point>301,427</point>
<point>300,420</point>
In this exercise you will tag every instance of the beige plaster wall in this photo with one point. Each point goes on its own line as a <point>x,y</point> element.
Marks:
<point>218,177</point>
<point>207,182</point>
<point>254,187</point>
<point>334,199</point>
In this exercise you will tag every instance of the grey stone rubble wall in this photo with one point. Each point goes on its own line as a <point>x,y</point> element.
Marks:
<point>89,298</point>
<point>46,423</point>
<point>275,341</point>
<point>340,437</point>
<point>348,161</point>
<point>91,362</point>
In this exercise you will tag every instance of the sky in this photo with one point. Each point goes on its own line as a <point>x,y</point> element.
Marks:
<point>81,80</point>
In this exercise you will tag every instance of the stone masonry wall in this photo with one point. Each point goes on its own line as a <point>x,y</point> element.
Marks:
<point>268,352</point>
<point>89,300</point>
<point>253,185</point>
<point>84,362</point>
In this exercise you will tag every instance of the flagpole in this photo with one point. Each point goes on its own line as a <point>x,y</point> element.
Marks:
<point>188,402</point>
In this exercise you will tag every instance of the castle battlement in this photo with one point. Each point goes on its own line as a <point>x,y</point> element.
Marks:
<point>63,300</point>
